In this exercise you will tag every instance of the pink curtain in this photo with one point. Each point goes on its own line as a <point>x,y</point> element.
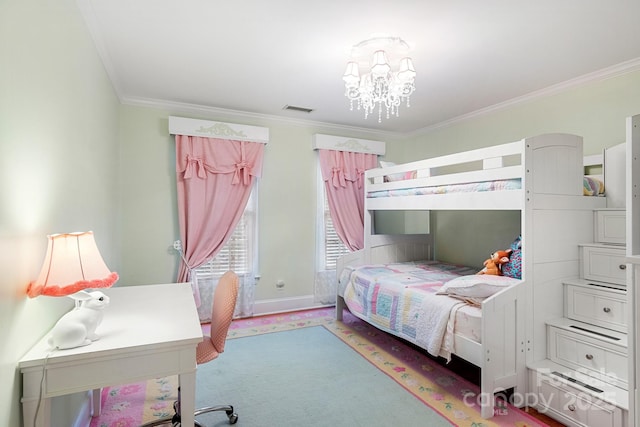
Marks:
<point>214,180</point>
<point>343,175</point>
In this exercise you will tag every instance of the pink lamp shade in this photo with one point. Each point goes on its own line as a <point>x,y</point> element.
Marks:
<point>72,263</point>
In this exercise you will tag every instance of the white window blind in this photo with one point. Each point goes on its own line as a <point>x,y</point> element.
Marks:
<point>333,246</point>
<point>233,256</point>
<point>329,248</point>
<point>239,254</point>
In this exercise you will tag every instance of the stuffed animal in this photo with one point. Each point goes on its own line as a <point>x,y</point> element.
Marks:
<point>78,327</point>
<point>494,264</point>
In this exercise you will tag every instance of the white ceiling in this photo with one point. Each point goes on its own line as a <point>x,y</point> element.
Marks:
<point>256,56</point>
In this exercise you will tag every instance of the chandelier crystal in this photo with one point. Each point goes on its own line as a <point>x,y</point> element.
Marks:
<point>380,87</point>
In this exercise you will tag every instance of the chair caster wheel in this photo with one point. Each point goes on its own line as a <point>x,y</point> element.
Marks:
<point>233,417</point>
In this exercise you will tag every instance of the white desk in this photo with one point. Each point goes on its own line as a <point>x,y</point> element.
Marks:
<point>147,332</point>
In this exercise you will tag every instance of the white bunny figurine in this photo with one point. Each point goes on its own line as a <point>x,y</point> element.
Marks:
<point>78,327</point>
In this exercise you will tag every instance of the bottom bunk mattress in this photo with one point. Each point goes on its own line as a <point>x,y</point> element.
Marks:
<point>403,299</point>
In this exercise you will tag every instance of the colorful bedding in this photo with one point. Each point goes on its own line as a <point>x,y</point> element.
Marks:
<point>401,299</point>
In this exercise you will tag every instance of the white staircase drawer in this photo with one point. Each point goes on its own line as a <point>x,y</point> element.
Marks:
<point>573,406</point>
<point>604,263</point>
<point>597,305</point>
<point>610,226</point>
<point>585,353</point>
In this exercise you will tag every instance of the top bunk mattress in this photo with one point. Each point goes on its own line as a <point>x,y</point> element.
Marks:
<point>592,186</point>
<point>473,187</point>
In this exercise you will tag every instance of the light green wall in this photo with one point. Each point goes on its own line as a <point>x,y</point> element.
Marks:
<point>148,193</point>
<point>287,202</point>
<point>596,111</point>
<point>58,164</point>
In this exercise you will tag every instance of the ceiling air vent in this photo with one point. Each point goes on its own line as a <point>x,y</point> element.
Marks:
<point>299,109</point>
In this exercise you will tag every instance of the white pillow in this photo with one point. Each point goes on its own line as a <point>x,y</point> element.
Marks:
<point>400,176</point>
<point>476,285</point>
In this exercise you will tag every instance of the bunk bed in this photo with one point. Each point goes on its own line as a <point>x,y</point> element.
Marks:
<point>542,178</point>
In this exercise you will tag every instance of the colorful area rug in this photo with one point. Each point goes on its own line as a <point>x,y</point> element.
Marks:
<point>453,397</point>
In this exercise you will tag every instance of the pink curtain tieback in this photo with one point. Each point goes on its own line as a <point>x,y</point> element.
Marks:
<point>191,163</point>
<point>337,177</point>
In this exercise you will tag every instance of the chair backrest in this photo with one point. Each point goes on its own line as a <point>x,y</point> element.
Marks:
<point>224,303</point>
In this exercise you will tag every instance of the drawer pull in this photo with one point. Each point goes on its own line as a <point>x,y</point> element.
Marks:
<point>622,266</point>
<point>589,356</point>
<point>571,407</point>
<point>606,310</point>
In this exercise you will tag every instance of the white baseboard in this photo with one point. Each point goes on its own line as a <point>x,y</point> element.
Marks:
<point>280,305</point>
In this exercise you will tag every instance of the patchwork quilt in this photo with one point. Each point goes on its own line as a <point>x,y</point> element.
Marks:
<point>401,299</point>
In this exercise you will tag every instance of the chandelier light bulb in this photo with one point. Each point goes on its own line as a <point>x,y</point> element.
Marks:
<point>380,86</point>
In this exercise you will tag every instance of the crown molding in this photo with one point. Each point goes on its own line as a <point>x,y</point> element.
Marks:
<point>258,118</point>
<point>600,75</point>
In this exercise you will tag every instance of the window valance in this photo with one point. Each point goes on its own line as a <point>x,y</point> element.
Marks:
<point>221,130</point>
<point>343,143</point>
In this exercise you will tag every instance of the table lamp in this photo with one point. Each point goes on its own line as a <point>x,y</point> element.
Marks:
<point>72,265</point>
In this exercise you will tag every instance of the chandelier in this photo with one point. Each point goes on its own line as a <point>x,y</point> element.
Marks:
<point>380,87</point>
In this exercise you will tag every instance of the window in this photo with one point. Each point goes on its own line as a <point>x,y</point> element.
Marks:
<point>239,254</point>
<point>329,248</point>
<point>333,246</point>
<point>236,254</point>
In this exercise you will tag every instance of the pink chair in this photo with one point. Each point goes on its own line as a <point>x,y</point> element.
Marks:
<point>224,302</point>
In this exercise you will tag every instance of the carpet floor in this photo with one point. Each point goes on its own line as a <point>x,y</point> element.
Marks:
<point>309,377</point>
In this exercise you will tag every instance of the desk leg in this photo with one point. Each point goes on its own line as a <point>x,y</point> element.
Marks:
<point>187,397</point>
<point>29,407</point>
<point>96,402</point>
